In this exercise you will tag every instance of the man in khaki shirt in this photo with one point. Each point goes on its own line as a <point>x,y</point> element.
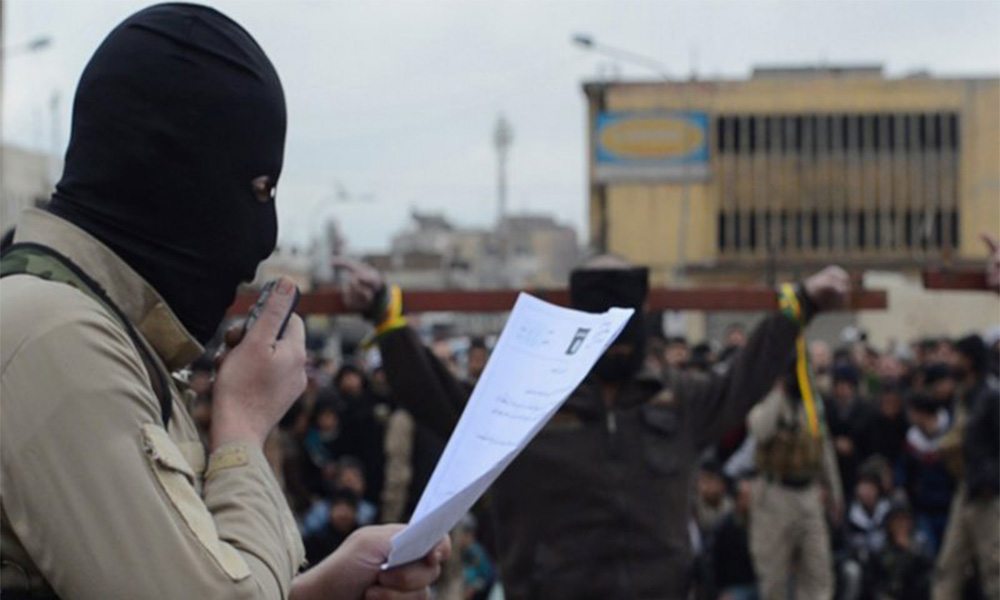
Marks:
<point>106,489</point>
<point>787,517</point>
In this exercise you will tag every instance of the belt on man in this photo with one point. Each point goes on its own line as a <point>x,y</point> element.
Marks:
<point>795,483</point>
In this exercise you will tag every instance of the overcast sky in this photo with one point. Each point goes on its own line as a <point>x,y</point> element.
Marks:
<point>398,100</point>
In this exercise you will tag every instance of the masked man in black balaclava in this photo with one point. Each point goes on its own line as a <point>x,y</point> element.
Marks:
<point>604,283</point>
<point>166,204</point>
<point>176,149</point>
<point>596,506</point>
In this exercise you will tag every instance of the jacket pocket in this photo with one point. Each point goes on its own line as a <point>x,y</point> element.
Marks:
<point>177,480</point>
<point>660,438</point>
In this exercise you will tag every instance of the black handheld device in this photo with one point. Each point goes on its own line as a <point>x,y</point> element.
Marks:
<point>258,306</point>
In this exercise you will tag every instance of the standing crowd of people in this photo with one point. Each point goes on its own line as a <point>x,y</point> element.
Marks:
<point>348,455</point>
<point>892,487</point>
<point>895,497</point>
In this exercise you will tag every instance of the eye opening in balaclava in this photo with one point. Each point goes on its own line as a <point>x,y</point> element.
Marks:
<point>177,118</point>
<point>264,189</point>
<point>604,282</point>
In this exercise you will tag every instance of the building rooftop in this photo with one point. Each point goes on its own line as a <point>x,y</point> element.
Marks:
<point>872,71</point>
<point>431,221</point>
<point>530,221</point>
<point>790,73</point>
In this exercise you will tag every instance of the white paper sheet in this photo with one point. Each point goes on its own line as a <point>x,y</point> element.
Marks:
<point>543,353</point>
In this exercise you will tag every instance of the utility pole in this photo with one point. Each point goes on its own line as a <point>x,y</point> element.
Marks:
<point>503,136</point>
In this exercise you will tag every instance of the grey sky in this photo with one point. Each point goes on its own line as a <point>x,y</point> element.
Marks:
<point>398,99</point>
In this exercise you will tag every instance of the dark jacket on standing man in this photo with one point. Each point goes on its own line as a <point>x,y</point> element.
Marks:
<point>596,505</point>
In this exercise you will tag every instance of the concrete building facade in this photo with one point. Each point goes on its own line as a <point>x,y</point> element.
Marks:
<point>523,251</point>
<point>764,179</point>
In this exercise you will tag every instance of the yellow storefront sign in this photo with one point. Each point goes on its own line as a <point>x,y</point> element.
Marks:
<point>651,138</point>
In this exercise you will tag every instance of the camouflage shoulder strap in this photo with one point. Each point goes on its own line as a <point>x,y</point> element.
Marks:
<point>44,262</point>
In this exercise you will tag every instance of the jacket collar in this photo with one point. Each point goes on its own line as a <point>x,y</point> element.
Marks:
<point>140,303</point>
<point>642,386</point>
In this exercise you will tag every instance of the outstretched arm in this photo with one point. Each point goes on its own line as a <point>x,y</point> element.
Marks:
<point>720,402</point>
<point>418,379</point>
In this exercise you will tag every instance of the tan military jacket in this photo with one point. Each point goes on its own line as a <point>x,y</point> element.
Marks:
<point>98,499</point>
<point>764,422</point>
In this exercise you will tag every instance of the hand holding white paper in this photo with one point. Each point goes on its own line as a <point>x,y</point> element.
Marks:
<point>543,354</point>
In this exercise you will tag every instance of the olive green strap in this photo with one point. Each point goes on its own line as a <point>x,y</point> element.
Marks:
<point>28,258</point>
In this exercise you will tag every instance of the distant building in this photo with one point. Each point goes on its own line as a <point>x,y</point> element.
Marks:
<point>331,243</point>
<point>25,181</point>
<point>528,251</point>
<point>286,261</point>
<point>525,251</point>
<point>540,252</point>
<point>768,178</point>
<point>428,233</point>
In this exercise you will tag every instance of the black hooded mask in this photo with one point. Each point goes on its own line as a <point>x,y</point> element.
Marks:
<point>176,146</point>
<point>597,290</point>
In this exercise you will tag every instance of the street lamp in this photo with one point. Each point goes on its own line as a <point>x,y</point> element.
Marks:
<point>587,42</point>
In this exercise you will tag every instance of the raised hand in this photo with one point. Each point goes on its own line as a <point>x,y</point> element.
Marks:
<point>828,288</point>
<point>363,284</point>
<point>261,376</point>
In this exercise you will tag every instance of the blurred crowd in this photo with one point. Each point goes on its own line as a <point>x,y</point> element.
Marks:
<point>348,455</point>
<point>893,422</point>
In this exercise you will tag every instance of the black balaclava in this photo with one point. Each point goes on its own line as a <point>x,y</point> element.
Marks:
<point>597,290</point>
<point>176,145</point>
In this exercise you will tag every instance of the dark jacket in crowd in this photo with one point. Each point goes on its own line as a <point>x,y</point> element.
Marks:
<point>891,436</point>
<point>901,573</point>
<point>364,437</point>
<point>595,505</point>
<point>856,422</point>
<point>323,543</point>
<point>981,444</point>
<point>729,548</point>
<point>427,449</point>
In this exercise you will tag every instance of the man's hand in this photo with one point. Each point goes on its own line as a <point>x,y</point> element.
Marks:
<point>405,581</point>
<point>354,571</point>
<point>829,288</point>
<point>362,286</point>
<point>262,376</point>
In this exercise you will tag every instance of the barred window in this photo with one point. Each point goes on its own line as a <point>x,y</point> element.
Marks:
<point>749,134</point>
<point>839,183</point>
